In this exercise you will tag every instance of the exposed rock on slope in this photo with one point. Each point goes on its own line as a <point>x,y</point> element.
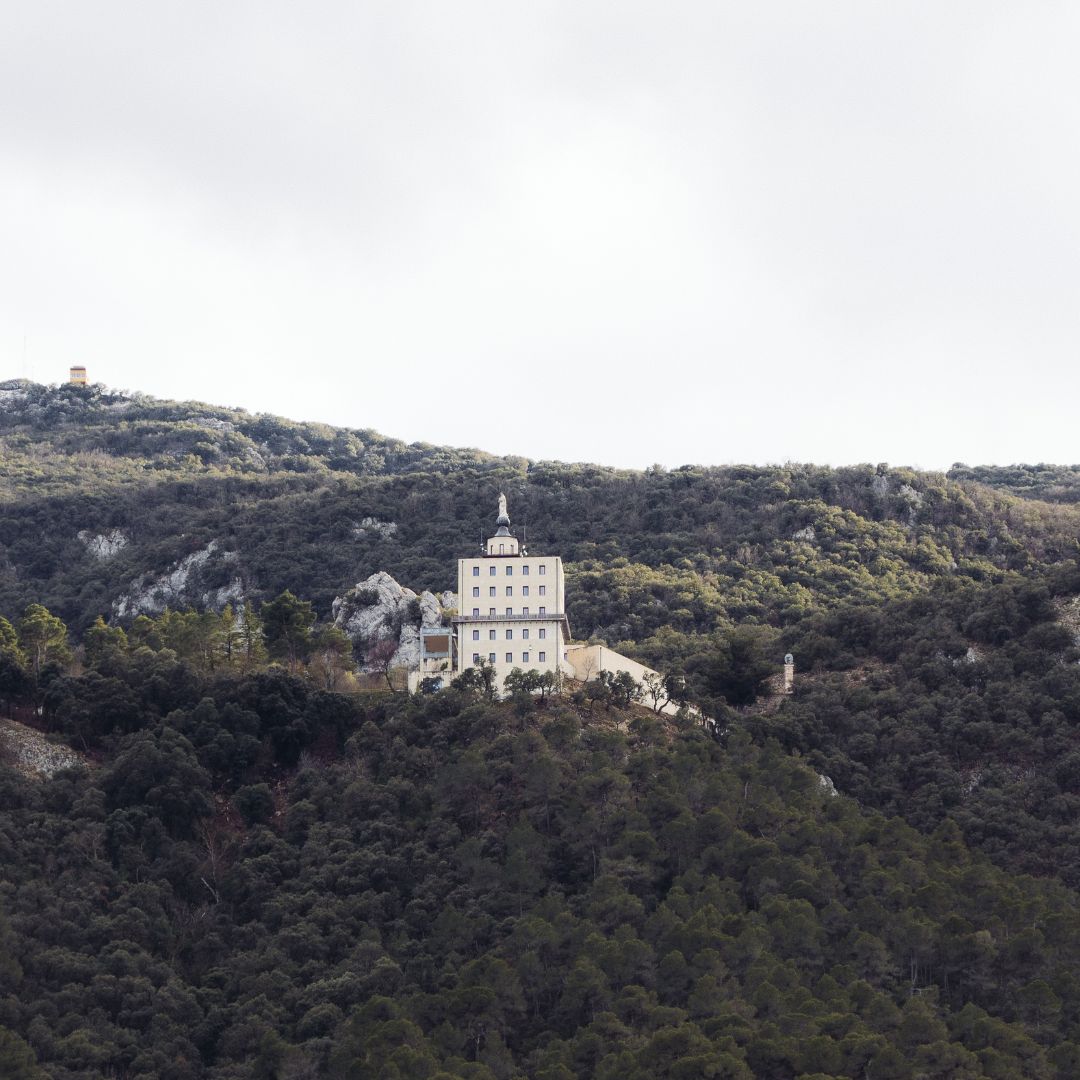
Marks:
<point>379,609</point>
<point>386,529</point>
<point>29,752</point>
<point>179,586</point>
<point>104,545</point>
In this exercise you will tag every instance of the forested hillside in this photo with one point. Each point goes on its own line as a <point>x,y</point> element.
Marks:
<point>264,880</point>
<point>691,549</point>
<point>257,875</point>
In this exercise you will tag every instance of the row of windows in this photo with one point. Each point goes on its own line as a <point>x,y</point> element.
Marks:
<point>542,633</point>
<point>541,658</point>
<point>509,590</point>
<point>493,570</point>
<point>510,611</point>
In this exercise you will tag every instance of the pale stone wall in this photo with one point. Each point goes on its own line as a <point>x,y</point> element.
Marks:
<point>514,572</point>
<point>522,584</point>
<point>516,645</point>
<point>587,661</point>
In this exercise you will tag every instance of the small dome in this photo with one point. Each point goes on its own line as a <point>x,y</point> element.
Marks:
<point>789,659</point>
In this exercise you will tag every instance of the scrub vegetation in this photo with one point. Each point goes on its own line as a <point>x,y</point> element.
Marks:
<point>259,875</point>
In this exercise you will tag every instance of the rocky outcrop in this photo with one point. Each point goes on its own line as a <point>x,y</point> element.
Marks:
<point>385,529</point>
<point>179,586</point>
<point>213,423</point>
<point>913,500</point>
<point>827,785</point>
<point>379,609</point>
<point>807,535</point>
<point>104,545</point>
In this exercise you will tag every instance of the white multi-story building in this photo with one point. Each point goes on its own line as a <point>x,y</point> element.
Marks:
<point>510,607</point>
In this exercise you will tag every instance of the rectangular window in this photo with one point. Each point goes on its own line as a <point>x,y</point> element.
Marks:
<point>491,657</point>
<point>491,591</point>
<point>525,569</point>
<point>543,632</point>
<point>509,657</point>
<point>476,635</point>
<point>476,571</point>
<point>476,658</point>
<point>543,657</point>
<point>543,610</point>
<point>476,611</point>
<point>524,611</point>
<point>524,657</point>
<point>525,633</point>
<point>491,571</point>
<point>543,590</point>
<point>509,635</point>
<point>524,590</point>
<point>509,570</point>
<point>509,611</point>
<point>491,611</point>
<point>491,635</point>
<point>509,590</point>
<point>543,569</point>
<point>476,590</point>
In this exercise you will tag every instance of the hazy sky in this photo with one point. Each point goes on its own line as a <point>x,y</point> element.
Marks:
<point>620,232</point>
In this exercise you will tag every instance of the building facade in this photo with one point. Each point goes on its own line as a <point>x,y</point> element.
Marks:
<point>511,610</point>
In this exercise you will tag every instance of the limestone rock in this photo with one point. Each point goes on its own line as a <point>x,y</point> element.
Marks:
<point>430,609</point>
<point>385,529</point>
<point>379,609</point>
<point>104,545</point>
<point>152,595</point>
<point>216,599</point>
<point>214,423</point>
<point>808,534</point>
<point>32,754</point>
<point>408,651</point>
<point>373,609</point>
<point>914,500</point>
<point>827,785</point>
<point>880,485</point>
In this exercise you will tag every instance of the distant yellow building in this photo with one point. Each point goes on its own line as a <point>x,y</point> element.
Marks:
<point>77,376</point>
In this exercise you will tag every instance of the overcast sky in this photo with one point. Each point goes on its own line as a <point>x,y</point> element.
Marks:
<point>620,232</point>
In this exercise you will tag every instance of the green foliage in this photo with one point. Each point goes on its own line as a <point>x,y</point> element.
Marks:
<point>287,623</point>
<point>451,892</point>
<point>263,877</point>
<point>42,637</point>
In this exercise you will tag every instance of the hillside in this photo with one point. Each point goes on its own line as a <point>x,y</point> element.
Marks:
<point>263,880</point>
<point>261,876</point>
<point>101,493</point>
